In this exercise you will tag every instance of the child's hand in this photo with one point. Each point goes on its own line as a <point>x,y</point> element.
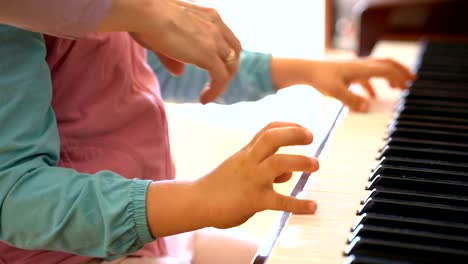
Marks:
<point>243,184</point>
<point>233,192</point>
<point>334,78</point>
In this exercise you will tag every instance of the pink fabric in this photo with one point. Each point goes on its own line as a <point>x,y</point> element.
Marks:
<point>110,117</point>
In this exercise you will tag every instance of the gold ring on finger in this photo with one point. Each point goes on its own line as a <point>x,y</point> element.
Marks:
<point>231,58</point>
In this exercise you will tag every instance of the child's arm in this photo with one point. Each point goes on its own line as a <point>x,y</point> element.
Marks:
<point>43,206</point>
<point>251,82</point>
<point>260,74</point>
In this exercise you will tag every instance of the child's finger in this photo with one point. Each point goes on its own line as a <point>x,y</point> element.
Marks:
<point>272,125</point>
<point>290,204</point>
<point>272,139</point>
<point>394,72</point>
<point>365,84</point>
<point>355,102</point>
<point>283,163</point>
<point>407,73</point>
<point>283,177</point>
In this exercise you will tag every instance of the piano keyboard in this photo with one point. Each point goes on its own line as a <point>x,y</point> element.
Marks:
<point>415,206</point>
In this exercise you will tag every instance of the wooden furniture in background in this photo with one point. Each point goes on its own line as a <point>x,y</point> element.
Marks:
<point>410,20</point>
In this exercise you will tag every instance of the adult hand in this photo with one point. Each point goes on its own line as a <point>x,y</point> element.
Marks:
<point>185,32</point>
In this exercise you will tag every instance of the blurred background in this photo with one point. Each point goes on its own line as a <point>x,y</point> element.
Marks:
<point>284,28</point>
<point>314,28</point>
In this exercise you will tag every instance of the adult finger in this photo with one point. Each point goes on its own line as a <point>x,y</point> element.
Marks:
<point>219,78</point>
<point>229,56</point>
<point>173,66</point>
<point>213,16</point>
<point>231,39</point>
<point>271,140</point>
<point>218,85</point>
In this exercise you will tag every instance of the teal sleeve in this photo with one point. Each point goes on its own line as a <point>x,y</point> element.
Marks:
<point>43,206</point>
<point>251,82</point>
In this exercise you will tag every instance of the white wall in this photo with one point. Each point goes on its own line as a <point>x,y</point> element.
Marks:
<point>282,27</point>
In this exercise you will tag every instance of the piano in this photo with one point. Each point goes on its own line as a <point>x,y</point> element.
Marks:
<point>393,183</point>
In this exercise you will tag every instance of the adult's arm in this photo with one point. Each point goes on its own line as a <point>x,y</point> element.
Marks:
<point>63,18</point>
<point>161,26</point>
<point>251,82</point>
<point>43,206</point>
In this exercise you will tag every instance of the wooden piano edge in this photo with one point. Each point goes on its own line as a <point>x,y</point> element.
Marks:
<point>265,249</point>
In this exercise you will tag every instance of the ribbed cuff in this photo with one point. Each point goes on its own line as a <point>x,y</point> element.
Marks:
<point>256,66</point>
<point>138,207</point>
<point>265,68</point>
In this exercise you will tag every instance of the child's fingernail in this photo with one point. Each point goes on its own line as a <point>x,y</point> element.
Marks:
<point>364,107</point>
<point>312,207</point>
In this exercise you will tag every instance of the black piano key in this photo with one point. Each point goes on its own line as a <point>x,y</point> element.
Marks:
<point>443,63</point>
<point>421,92</point>
<point>414,223</point>
<point>417,101</point>
<point>420,237</point>
<point>424,143</point>
<point>424,153</point>
<point>446,95</point>
<point>396,124</point>
<point>435,110</point>
<point>405,116</point>
<point>433,199</point>
<point>363,259</point>
<point>420,172</point>
<point>420,163</point>
<point>396,250</point>
<point>437,135</point>
<point>457,214</point>
<point>442,76</point>
<point>428,68</point>
<point>437,85</point>
<point>415,196</point>
<point>437,50</point>
<point>423,185</point>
